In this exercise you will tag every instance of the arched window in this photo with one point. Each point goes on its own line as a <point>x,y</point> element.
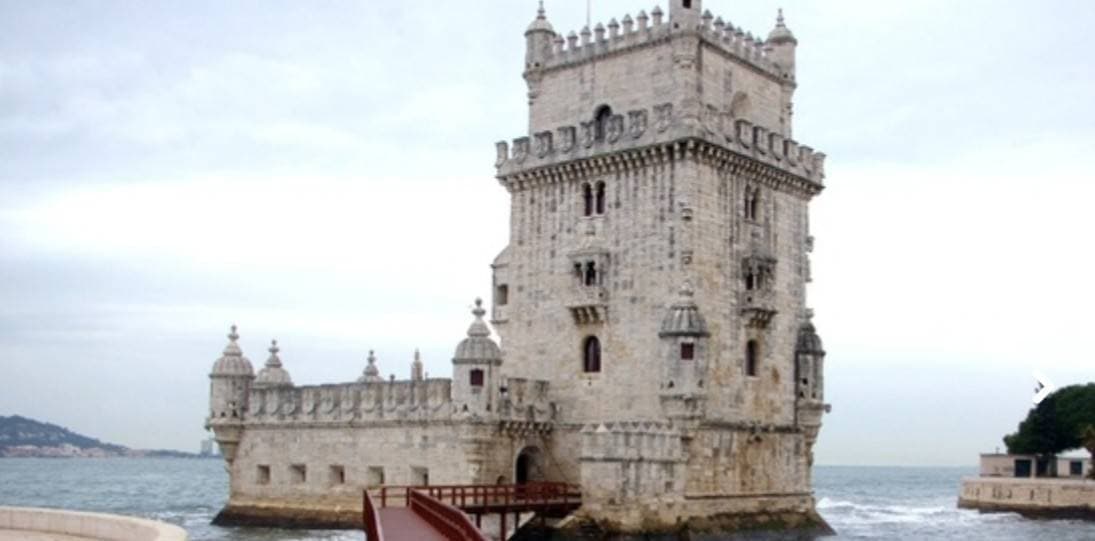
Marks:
<point>591,355</point>
<point>600,198</point>
<point>587,198</point>
<point>751,354</point>
<point>600,122</point>
<point>750,280</point>
<point>752,203</point>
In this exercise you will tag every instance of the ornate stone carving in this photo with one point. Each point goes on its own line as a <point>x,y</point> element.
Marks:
<point>614,128</point>
<point>663,116</point>
<point>636,123</point>
<point>502,148</point>
<point>567,136</point>
<point>520,149</point>
<point>589,133</point>
<point>543,144</point>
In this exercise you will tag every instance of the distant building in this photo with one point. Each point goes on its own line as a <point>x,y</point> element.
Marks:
<point>1004,465</point>
<point>209,447</point>
<point>656,347</point>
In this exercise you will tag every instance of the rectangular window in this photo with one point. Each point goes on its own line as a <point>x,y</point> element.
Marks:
<point>376,476</point>
<point>501,295</point>
<point>420,477</point>
<point>476,376</point>
<point>298,473</point>
<point>688,351</point>
<point>1076,468</point>
<point>263,475</point>
<point>337,475</point>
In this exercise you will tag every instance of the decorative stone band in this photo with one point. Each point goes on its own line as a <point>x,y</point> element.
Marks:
<point>631,441</point>
<point>81,525</point>
<point>721,157</point>
<point>597,44</point>
<point>718,138</point>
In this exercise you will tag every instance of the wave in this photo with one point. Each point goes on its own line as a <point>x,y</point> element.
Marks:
<point>849,512</point>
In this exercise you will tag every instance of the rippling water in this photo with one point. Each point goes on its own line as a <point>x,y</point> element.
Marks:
<point>859,502</point>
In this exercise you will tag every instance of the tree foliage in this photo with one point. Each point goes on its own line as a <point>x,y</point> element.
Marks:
<point>1056,424</point>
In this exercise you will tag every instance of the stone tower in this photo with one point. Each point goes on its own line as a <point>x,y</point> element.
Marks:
<point>657,264</point>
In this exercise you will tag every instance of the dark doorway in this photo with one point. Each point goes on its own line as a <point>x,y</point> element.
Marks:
<point>527,468</point>
<point>1022,467</point>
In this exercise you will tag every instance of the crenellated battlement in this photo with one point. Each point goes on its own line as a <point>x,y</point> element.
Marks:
<point>588,45</point>
<point>643,128</point>
<point>427,399</point>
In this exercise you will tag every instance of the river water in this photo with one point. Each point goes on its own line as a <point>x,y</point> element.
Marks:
<point>859,502</point>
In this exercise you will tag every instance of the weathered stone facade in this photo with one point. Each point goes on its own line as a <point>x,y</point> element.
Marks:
<point>655,347</point>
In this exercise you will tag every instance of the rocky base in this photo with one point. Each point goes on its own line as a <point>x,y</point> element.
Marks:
<point>307,518</point>
<point>754,526</point>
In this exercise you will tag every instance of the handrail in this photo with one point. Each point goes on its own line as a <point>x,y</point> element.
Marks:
<point>450,521</point>
<point>373,530</point>
<point>464,496</point>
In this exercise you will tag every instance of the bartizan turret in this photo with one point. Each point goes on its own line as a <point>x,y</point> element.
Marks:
<point>273,374</point>
<point>781,46</point>
<point>475,367</point>
<point>230,383</point>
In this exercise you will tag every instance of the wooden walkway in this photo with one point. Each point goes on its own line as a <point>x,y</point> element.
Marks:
<point>402,524</point>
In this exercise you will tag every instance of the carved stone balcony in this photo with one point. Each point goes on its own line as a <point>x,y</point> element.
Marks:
<point>757,307</point>
<point>588,304</point>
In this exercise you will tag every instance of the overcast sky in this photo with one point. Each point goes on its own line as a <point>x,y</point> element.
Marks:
<point>322,173</point>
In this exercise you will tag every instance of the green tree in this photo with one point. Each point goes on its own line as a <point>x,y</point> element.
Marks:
<point>1057,423</point>
<point>1087,436</point>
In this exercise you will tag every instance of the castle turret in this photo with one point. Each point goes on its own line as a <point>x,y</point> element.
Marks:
<point>781,47</point>
<point>273,374</point>
<point>685,14</point>
<point>371,373</point>
<point>684,357</point>
<point>539,41</point>
<point>230,383</point>
<point>809,392</point>
<point>476,366</point>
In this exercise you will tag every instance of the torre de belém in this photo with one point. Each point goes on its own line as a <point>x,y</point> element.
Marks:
<point>655,344</point>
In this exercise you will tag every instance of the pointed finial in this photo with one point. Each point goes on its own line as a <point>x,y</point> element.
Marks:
<point>540,11</point>
<point>779,17</point>
<point>417,355</point>
<point>233,335</point>
<point>479,312</point>
<point>274,347</point>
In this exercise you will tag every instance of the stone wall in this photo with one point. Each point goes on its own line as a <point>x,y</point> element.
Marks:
<point>1033,497</point>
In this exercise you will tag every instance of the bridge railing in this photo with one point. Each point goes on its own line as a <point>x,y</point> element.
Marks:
<point>448,520</point>
<point>371,519</point>
<point>467,496</point>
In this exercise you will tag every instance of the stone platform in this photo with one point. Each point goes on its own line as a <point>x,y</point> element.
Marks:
<point>36,524</point>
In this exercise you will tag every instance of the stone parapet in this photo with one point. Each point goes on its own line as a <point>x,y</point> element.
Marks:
<point>406,400</point>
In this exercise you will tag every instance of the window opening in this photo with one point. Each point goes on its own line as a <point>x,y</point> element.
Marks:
<point>476,377</point>
<point>600,198</point>
<point>587,196</point>
<point>600,122</point>
<point>591,358</point>
<point>501,295</point>
<point>688,351</point>
<point>591,273</point>
<point>751,358</point>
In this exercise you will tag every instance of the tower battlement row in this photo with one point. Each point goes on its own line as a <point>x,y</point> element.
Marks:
<point>549,50</point>
<point>649,127</point>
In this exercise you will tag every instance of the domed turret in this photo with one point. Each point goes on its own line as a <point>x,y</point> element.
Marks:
<point>230,385</point>
<point>683,317</point>
<point>808,341</point>
<point>539,39</point>
<point>475,367</point>
<point>477,346</point>
<point>232,362</point>
<point>273,375</point>
<point>781,46</point>
<point>371,372</point>
<point>781,34</point>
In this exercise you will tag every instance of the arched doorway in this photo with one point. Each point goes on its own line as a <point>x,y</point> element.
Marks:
<point>528,468</point>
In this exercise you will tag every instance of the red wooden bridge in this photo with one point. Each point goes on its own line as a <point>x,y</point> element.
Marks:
<point>440,513</point>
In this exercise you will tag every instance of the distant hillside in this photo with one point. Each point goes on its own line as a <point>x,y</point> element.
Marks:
<point>23,437</point>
